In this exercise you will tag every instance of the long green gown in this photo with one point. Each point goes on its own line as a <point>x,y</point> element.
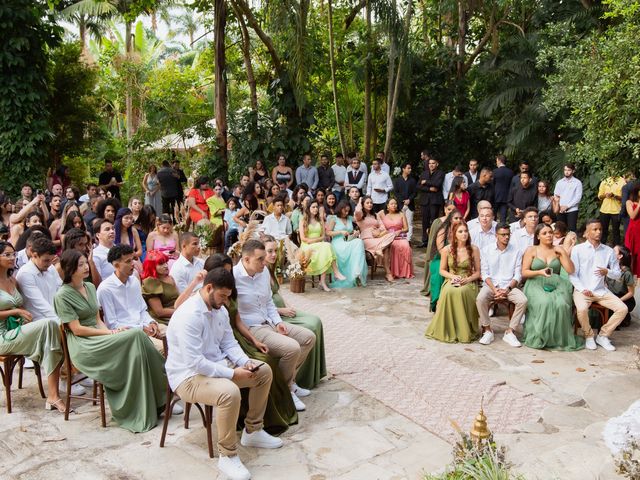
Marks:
<point>322,255</point>
<point>549,322</point>
<point>39,341</point>
<point>431,252</point>
<point>456,318</point>
<point>280,411</point>
<point>126,363</point>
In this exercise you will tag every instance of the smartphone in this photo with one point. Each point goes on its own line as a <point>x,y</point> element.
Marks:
<point>256,367</point>
<point>548,271</point>
<point>38,192</point>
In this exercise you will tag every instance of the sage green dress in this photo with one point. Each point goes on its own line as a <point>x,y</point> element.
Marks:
<point>167,293</point>
<point>456,318</point>
<point>126,363</point>
<point>431,252</point>
<point>280,412</point>
<point>39,341</point>
<point>314,367</point>
<point>549,320</point>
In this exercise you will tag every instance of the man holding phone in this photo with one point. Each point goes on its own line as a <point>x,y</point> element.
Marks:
<point>205,364</point>
<point>110,179</point>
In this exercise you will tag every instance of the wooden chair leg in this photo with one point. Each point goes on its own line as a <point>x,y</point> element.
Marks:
<point>187,411</point>
<point>20,367</point>
<point>209,420</point>
<point>95,392</point>
<point>6,380</point>
<point>36,369</point>
<point>103,414</point>
<point>68,393</point>
<point>167,413</point>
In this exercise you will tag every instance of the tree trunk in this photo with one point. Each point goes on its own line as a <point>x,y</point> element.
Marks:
<point>82,32</point>
<point>367,88</point>
<point>220,21</point>
<point>462,37</point>
<point>128,99</point>
<point>246,53</point>
<point>334,84</point>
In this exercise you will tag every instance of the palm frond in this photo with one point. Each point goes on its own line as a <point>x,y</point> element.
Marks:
<point>91,7</point>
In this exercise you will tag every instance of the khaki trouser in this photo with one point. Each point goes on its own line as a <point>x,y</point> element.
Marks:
<point>486,297</point>
<point>292,349</point>
<point>609,301</point>
<point>224,395</point>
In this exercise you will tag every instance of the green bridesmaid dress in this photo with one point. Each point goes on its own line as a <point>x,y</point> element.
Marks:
<point>322,255</point>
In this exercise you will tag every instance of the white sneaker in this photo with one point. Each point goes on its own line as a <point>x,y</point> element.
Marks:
<point>492,311</point>
<point>300,407</point>
<point>605,343</point>
<point>259,439</point>
<point>28,363</point>
<point>590,343</point>
<point>177,409</point>
<point>233,468</point>
<point>299,391</point>
<point>511,339</point>
<point>75,389</point>
<point>487,337</point>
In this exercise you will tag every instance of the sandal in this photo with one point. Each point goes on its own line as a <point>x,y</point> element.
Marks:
<point>57,405</point>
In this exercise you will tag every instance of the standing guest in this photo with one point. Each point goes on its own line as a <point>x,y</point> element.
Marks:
<point>545,199</point>
<point>632,237</point>
<point>471,176</point>
<point>322,258</point>
<point>182,178</point>
<point>377,241</point>
<point>624,287</point>
<point>307,173</point>
<point>405,190</point>
<point>232,227</point>
<point>549,316</point>
<point>106,235</point>
<point>443,237</point>
<point>205,364</point>
<point>340,176</point>
<point>110,179</point>
<point>197,200</point>
<point>326,174</point>
<point>159,288</point>
<point>260,172</point>
<point>60,177</point>
<point>610,193</point>
<point>290,343</point>
<point>188,264</point>
<point>401,258</point>
<point>384,165</point>
<point>524,166</point>
<point>281,172</point>
<point>379,185</point>
<point>349,249</point>
<point>481,190</point>
<point>57,189</point>
<point>425,156</point>
<point>123,360</point>
<point>91,191</point>
<point>170,188</point>
<point>524,237</point>
<point>522,196</point>
<point>460,197</point>
<point>432,251</point>
<point>217,206</point>
<point>448,181</point>
<point>501,267</point>
<point>26,192</point>
<point>277,224</point>
<point>594,262</point>
<point>624,216</point>
<point>151,188</point>
<point>456,318</point>
<point>568,193</point>
<point>431,200</point>
<point>502,176</point>
<point>355,176</point>
<point>483,234</point>
<point>126,234</point>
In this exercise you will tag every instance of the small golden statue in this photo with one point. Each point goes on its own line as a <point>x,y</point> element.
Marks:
<point>480,430</point>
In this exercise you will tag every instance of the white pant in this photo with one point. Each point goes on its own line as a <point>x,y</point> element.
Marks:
<point>409,214</point>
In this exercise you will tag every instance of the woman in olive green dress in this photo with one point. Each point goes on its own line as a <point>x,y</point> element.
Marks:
<point>443,237</point>
<point>456,318</point>
<point>158,287</point>
<point>123,360</point>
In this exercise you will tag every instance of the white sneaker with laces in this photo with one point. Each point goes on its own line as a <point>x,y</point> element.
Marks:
<point>511,339</point>
<point>28,363</point>
<point>487,337</point>
<point>259,439</point>
<point>233,468</point>
<point>605,343</point>
<point>590,343</point>
<point>177,409</point>
<point>300,407</point>
<point>299,391</point>
<point>75,389</point>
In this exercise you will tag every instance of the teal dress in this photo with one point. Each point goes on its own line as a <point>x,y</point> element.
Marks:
<point>549,322</point>
<point>350,256</point>
<point>127,364</point>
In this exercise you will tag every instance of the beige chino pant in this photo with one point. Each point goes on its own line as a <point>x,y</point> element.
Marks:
<point>609,301</point>
<point>486,297</point>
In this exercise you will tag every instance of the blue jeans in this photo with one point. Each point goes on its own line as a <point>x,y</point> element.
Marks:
<point>230,237</point>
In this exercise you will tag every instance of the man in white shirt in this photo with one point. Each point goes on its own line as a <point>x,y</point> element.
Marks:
<point>340,175</point>
<point>120,296</point>
<point>290,343</point>
<point>384,166</point>
<point>185,269</point>
<point>277,224</point>
<point>448,180</point>
<point>593,263</point>
<point>483,233</point>
<point>355,176</point>
<point>106,234</point>
<point>474,223</point>
<point>501,266</point>
<point>523,237</point>
<point>378,186</point>
<point>568,192</point>
<point>206,365</point>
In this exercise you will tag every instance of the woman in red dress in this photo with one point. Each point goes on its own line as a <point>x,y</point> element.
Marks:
<point>460,197</point>
<point>197,200</point>
<point>632,237</point>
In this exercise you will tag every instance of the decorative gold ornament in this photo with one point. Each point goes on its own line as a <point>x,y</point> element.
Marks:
<point>480,430</point>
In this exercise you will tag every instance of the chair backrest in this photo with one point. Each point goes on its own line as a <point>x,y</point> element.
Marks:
<point>65,349</point>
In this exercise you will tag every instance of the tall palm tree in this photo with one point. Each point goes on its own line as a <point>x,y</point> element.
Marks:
<point>187,24</point>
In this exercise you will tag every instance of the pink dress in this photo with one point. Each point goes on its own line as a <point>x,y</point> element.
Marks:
<point>167,249</point>
<point>401,256</point>
<point>632,242</point>
<point>373,244</point>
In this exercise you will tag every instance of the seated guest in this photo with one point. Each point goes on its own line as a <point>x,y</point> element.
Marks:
<point>353,195</point>
<point>456,318</point>
<point>38,341</point>
<point>125,233</point>
<point>158,287</point>
<point>624,287</point>
<point>232,227</point>
<point>106,235</point>
<point>377,240</point>
<point>474,223</point>
<point>395,222</point>
<point>563,237</point>
<point>432,251</point>
<point>277,224</point>
<point>483,234</point>
<point>205,364</point>
<point>501,267</point>
<point>288,342</point>
<point>443,237</point>
<point>549,317</point>
<point>79,240</point>
<point>25,242</point>
<point>594,262</point>
<point>349,249</point>
<point>188,264</point>
<point>547,216</point>
<point>120,296</point>
<point>523,238</point>
<point>164,239</point>
<point>122,359</point>
<point>322,258</point>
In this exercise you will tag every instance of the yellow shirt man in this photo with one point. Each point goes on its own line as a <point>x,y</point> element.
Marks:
<point>610,192</point>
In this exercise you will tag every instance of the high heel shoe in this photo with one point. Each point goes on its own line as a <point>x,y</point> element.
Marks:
<point>57,405</point>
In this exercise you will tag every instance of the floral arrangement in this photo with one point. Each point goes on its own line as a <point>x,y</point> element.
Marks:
<point>205,233</point>
<point>298,267</point>
<point>295,270</point>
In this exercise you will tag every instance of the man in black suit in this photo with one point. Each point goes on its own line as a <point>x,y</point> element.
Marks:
<point>431,200</point>
<point>502,176</point>
<point>481,190</point>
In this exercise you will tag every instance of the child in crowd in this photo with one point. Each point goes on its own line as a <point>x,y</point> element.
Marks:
<point>231,233</point>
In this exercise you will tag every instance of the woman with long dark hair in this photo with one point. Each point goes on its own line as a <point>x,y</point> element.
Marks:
<point>625,286</point>
<point>125,233</point>
<point>632,237</point>
<point>443,238</point>
<point>377,240</point>
<point>347,246</point>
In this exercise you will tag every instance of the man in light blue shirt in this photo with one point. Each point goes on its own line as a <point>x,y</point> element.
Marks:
<point>307,173</point>
<point>568,191</point>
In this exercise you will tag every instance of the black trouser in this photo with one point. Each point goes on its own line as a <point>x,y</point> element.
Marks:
<point>501,212</point>
<point>169,205</point>
<point>570,219</point>
<point>614,218</point>
<point>429,214</point>
<point>378,207</point>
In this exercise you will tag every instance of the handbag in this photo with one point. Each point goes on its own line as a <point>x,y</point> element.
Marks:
<point>13,325</point>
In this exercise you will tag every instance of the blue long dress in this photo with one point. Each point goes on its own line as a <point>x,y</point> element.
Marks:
<point>350,256</point>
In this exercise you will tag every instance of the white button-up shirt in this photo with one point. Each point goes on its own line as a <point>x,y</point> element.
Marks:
<point>201,342</point>
<point>38,290</point>
<point>386,168</point>
<point>100,253</point>
<point>255,304</point>
<point>570,192</point>
<point>522,240</point>
<point>183,272</point>
<point>381,180</point>
<point>278,228</point>
<point>122,303</point>
<point>480,238</point>
<point>340,174</point>
<point>586,259</point>
<point>501,266</point>
<point>515,226</point>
